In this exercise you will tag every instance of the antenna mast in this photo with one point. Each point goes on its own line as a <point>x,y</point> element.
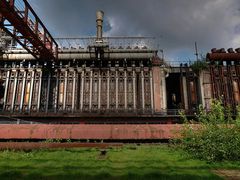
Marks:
<point>196,50</point>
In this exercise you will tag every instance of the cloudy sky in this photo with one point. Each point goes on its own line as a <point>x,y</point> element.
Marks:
<point>177,24</point>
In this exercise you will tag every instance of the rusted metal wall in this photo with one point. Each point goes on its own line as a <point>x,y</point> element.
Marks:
<point>122,87</point>
<point>225,76</point>
<point>110,132</point>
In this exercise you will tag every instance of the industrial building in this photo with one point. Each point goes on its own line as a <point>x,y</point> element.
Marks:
<point>102,79</point>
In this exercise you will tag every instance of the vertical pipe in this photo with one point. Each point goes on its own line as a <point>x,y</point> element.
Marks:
<point>116,89</point>
<point>90,97</point>
<point>108,87</point>
<point>181,87</point>
<point>151,89</point>
<point>31,91</point>
<point>65,89</point>
<point>23,90</point>
<point>73,92</point>
<point>143,99</point>
<point>185,93</point>
<point>56,93</point>
<point>39,93</point>
<point>6,89</point>
<point>125,89</point>
<point>82,88</point>
<point>99,91</point>
<point>14,90</point>
<point>134,90</point>
<point>164,91</point>
<point>213,85</point>
<point>201,82</point>
<point>48,91</point>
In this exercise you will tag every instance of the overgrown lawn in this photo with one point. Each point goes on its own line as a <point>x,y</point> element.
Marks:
<point>128,162</point>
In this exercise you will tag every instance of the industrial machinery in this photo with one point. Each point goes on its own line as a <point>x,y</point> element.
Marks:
<point>100,80</point>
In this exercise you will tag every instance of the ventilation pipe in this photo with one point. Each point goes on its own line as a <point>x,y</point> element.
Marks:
<point>99,21</point>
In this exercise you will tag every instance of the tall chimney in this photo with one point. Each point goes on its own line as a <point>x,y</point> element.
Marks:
<point>99,21</point>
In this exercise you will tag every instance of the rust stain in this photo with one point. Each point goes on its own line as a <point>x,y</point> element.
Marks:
<point>95,131</point>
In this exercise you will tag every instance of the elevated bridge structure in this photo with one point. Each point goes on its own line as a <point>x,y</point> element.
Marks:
<point>19,20</point>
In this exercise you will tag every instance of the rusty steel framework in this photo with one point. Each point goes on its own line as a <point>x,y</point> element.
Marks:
<point>225,75</point>
<point>19,20</point>
<point>193,99</point>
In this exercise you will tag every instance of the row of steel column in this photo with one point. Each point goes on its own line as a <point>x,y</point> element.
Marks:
<point>22,89</point>
<point>78,90</point>
<point>225,83</point>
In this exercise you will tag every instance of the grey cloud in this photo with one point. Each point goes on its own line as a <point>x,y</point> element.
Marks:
<point>177,23</point>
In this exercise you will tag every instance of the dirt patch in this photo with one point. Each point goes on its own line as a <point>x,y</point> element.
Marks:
<point>228,174</point>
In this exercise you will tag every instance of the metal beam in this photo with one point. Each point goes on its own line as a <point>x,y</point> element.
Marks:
<point>21,22</point>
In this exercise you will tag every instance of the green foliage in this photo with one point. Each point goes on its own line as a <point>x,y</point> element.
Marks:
<point>198,66</point>
<point>54,140</point>
<point>216,137</point>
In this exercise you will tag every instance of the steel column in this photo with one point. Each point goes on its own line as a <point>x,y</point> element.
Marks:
<point>99,91</point>
<point>39,93</point>
<point>14,89</point>
<point>125,89</point>
<point>82,88</point>
<point>73,93</point>
<point>56,93</point>
<point>65,89</point>
<point>23,90</point>
<point>90,96</point>
<point>116,88</point>
<point>31,90</point>
<point>134,90</point>
<point>6,89</point>
<point>143,95</point>
<point>108,87</point>
<point>48,91</point>
<point>151,89</point>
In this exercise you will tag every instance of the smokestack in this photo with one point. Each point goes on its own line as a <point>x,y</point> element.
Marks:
<point>99,21</point>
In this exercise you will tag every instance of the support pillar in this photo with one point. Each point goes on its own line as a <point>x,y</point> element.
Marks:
<point>23,90</point>
<point>81,93</point>
<point>151,89</point>
<point>108,87</point>
<point>134,90</point>
<point>65,89</point>
<point>99,91</point>
<point>164,91</point>
<point>116,89</point>
<point>125,90</point>
<point>158,85</point>
<point>56,93</point>
<point>6,89</point>
<point>143,95</point>
<point>90,96</point>
<point>39,93</point>
<point>48,90</point>
<point>73,91</point>
<point>185,94</point>
<point>14,90</point>
<point>31,91</point>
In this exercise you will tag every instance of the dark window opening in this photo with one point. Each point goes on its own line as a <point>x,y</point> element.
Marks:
<point>173,91</point>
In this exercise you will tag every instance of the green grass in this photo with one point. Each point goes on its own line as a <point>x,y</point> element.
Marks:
<point>128,162</point>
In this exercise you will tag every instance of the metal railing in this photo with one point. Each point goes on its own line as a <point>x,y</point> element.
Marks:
<point>113,42</point>
<point>19,20</point>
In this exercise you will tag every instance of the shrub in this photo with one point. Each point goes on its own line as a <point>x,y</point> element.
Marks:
<point>216,137</point>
